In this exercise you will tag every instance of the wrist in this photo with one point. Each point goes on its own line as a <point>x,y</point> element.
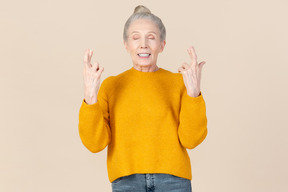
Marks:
<point>90,100</point>
<point>193,94</point>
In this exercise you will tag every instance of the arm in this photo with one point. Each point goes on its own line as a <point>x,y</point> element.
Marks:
<point>94,129</point>
<point>192,128</point>
<point>193,122</point>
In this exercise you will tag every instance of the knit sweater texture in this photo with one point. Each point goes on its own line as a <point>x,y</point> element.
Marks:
<point>147,120</point>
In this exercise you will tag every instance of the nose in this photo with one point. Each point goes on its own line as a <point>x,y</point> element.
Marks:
<point>143,43</point>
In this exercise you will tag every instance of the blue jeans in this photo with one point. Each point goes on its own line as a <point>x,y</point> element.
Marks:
<point>156,182</point>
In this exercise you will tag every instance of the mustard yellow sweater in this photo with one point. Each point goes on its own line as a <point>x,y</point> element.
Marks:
<point>147,119</point>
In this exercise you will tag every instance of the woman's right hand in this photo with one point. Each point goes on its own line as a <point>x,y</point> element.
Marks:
<point>91,76</point>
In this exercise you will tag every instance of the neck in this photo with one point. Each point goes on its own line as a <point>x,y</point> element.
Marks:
<point>146,69</point>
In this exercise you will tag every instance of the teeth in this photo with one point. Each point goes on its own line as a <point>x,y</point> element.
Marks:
<point>144,54</point>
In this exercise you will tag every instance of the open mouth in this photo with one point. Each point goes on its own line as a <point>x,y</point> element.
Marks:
<point>144,55</point>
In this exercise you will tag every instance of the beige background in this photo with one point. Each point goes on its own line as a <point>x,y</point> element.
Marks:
<point>244,84</point>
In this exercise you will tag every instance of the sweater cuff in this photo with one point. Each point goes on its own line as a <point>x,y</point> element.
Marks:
<point>88,107</point>
<point>187,98</point>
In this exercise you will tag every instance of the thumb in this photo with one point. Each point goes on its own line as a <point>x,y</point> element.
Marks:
<point>99,72</point>
<point>101,69</point>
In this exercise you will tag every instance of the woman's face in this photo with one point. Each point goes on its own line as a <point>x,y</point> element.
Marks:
<point>144,38</point>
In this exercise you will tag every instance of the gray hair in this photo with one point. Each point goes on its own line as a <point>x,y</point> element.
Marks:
<point>142,12</point>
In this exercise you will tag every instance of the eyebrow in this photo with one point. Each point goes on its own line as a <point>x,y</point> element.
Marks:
<point>148,32</point>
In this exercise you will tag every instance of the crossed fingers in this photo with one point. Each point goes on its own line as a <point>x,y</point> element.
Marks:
<point>193,56</point>
<point>87,61</point>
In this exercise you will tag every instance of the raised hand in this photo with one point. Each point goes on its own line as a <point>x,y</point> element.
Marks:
<point>91,76</point>
<point>192,74</point>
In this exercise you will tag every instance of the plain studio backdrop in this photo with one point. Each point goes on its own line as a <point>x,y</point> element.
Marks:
<point>244,84</point>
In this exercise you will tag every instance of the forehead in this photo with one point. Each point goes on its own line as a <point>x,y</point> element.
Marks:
<point>143,25</point>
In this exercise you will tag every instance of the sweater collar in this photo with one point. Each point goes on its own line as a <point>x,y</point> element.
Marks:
<point>137,72</point>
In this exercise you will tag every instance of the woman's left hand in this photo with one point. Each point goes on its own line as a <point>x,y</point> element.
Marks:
<point>192,74</point>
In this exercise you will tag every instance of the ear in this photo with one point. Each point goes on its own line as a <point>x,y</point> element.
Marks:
<point>125,44</point>
<point>163,43</point>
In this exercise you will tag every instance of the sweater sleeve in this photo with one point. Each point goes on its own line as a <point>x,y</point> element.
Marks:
<point>192,121</point>
<point>94,129</point>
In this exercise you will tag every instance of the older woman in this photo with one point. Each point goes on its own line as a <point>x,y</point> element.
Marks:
<point>146,115</point>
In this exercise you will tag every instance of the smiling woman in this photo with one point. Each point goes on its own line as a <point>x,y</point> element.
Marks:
<point>148,116</point>
<point>144,44</point>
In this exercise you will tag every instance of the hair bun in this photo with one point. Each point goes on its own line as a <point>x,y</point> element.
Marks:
<point>141,9</point>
